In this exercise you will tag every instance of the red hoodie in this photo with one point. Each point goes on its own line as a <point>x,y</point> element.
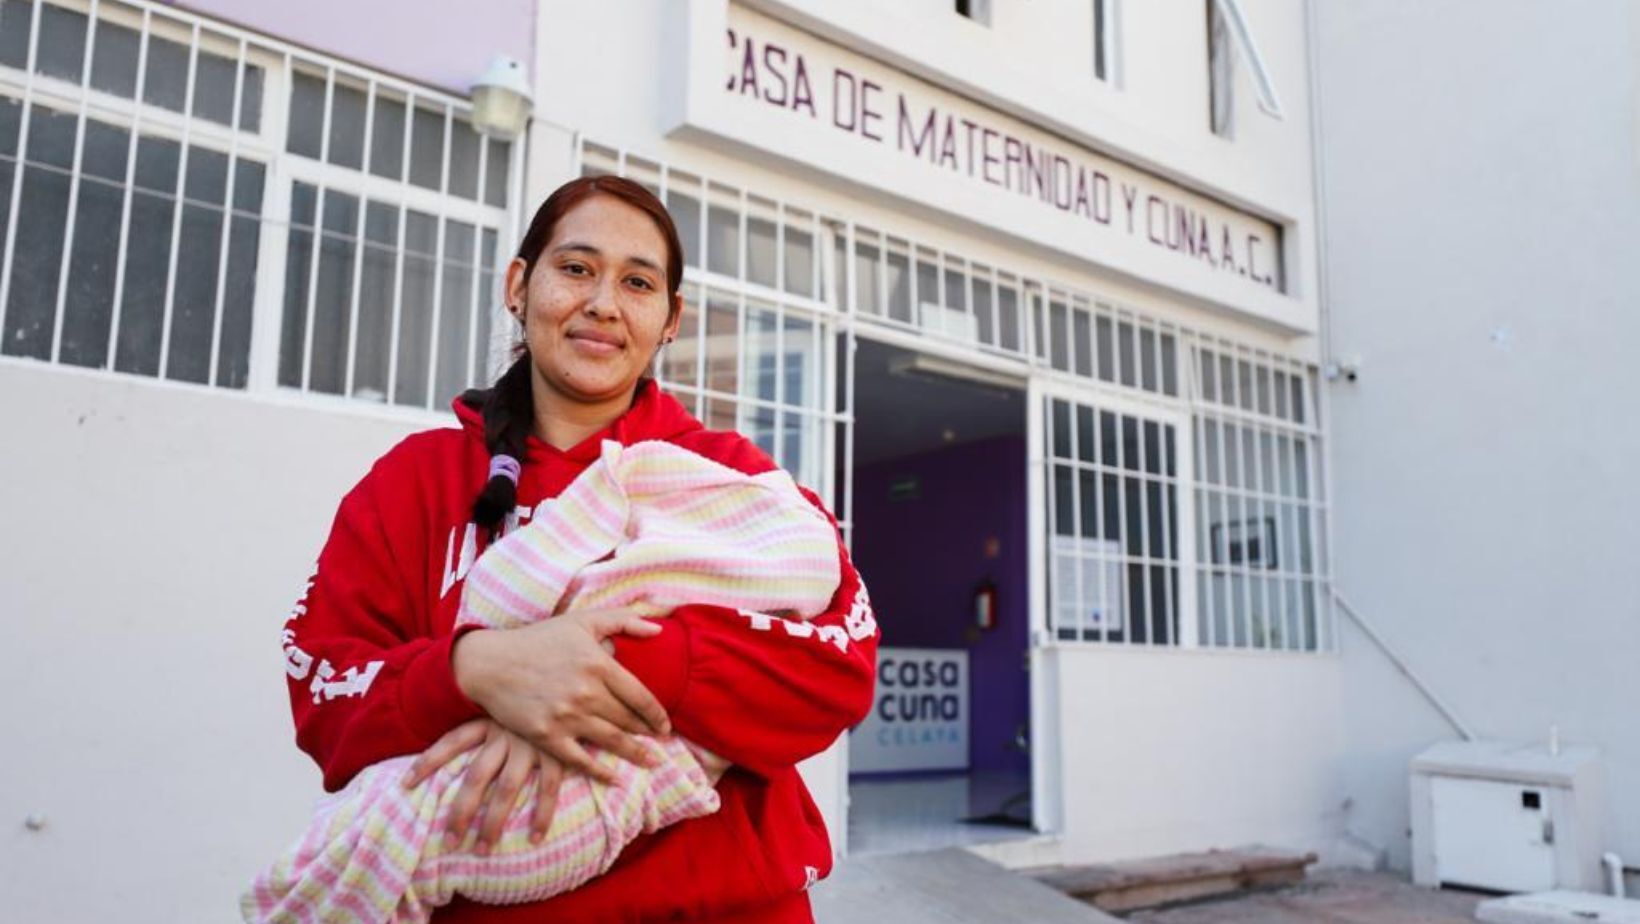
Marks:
<point>367,654</point>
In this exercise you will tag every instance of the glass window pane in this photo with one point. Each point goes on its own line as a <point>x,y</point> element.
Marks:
<point>347,111</point>
<point>1059,336</point>
<point>1087,447</point>
<point>1082,340</point>
<point>16,18</point>
<point>868,275</point>
<point>1170,363</point>
<point>427,149</point>
<point>682,200</point>
<point>387,138</point>
<point>214,81</point>
<point>1059,421</point>
<point>62,44</point>
<point>193,310</point>
<point>298,264</point>
<point>250,103</point>
<point>1126,354</point>
<point>1008,319</point>
<point>722,345</point>
<point>416,309</point>
<point>761,248</point>
<point>147,258</point>
<point>927,295</point>
<point>165,80</point>
<point>800,268</point>
<point>239,289</point>
<point>897,270</point>
<point>464,157</point>
<point>722,235</point>
<point>488,310</point>
<point>88,307</point>
<point>41,222</point>
<point>762,355</point>
<point>1147,360</point>
<point>373,343</point>
<point>455,314</point>
<point>801,356</point>
<point>333,292</point>
<point>307,114</point>
<point>678,358</point>
<point>114,60</point>
<point>499,154</point>
<point>1064,500</point>
<point>984,310</point>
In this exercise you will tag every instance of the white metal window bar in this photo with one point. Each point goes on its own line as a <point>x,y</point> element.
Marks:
<point>194,242</point>
<point>1155,480</point>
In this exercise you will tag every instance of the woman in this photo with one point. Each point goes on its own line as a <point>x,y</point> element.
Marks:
<point>376,672</point>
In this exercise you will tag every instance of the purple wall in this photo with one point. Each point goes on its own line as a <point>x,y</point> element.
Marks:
<point>922,559</point>
<point>445,45</point>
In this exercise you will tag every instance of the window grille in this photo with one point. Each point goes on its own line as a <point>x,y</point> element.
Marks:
<point>1260,513</point>
<point>1182,469</point>
<point>756,335</point>
<point>200,203</point>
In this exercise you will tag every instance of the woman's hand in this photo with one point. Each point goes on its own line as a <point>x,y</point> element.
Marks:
<point>556,684</point>
<point>500,769</point>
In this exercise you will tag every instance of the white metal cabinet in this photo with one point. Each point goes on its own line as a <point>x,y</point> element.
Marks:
<point>1515,818</point>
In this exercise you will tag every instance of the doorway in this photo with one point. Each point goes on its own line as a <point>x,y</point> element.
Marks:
<point>938,488</point>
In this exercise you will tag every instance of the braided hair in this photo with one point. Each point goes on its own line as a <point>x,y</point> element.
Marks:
<point>508,407</point>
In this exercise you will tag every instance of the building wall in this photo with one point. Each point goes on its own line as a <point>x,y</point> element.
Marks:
<point>1157,121</point>
<point>1482,192</point>
<point>396,36</point>
<point>158,537</point>
<point>1176,751</point>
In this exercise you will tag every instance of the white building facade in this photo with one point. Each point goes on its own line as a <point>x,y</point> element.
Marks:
<point>247,248</point>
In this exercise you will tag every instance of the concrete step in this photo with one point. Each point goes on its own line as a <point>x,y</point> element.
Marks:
<point>949,886</point>
<point>1184,877</point>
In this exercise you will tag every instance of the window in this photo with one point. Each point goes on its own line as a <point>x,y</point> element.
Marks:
<point>1219,72</point>
<point>977,10</point>
<point>1227,26</point>
<point>1181,472</point>
<point>1259,512</point>
<point>162,216</point>
<point>390,287</point>
<point>1104,48</point>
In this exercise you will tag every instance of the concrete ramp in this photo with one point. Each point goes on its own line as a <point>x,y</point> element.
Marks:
<point>942,887</point>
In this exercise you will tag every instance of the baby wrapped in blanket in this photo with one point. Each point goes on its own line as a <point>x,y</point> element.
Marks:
<point>650,526</point>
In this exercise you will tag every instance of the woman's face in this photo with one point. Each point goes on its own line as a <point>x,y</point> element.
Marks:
<point>595,307</point>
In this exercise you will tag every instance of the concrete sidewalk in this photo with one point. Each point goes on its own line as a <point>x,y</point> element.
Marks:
<point>941,887</point>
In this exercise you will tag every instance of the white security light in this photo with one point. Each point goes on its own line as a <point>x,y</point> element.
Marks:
<point>501,99</point>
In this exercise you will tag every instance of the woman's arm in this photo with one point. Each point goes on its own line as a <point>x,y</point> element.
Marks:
<point>366,679</point>
<point>761,691</point>
<point>371,676</point>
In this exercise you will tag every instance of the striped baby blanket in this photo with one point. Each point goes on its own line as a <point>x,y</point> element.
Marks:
<point>650,526</point>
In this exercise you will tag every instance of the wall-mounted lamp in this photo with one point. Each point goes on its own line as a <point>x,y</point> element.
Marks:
<point>501,99</point>
<point>1347,369</point>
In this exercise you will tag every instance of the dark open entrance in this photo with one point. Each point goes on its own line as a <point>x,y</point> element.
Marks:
<point>940,537</point>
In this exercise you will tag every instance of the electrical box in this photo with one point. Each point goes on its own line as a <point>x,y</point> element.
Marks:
<point>1507,817</point>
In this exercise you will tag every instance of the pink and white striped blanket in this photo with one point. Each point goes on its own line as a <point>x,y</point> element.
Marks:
<point>649,526</point>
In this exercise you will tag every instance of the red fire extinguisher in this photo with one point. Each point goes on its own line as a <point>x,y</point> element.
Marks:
<point>985,605</point>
